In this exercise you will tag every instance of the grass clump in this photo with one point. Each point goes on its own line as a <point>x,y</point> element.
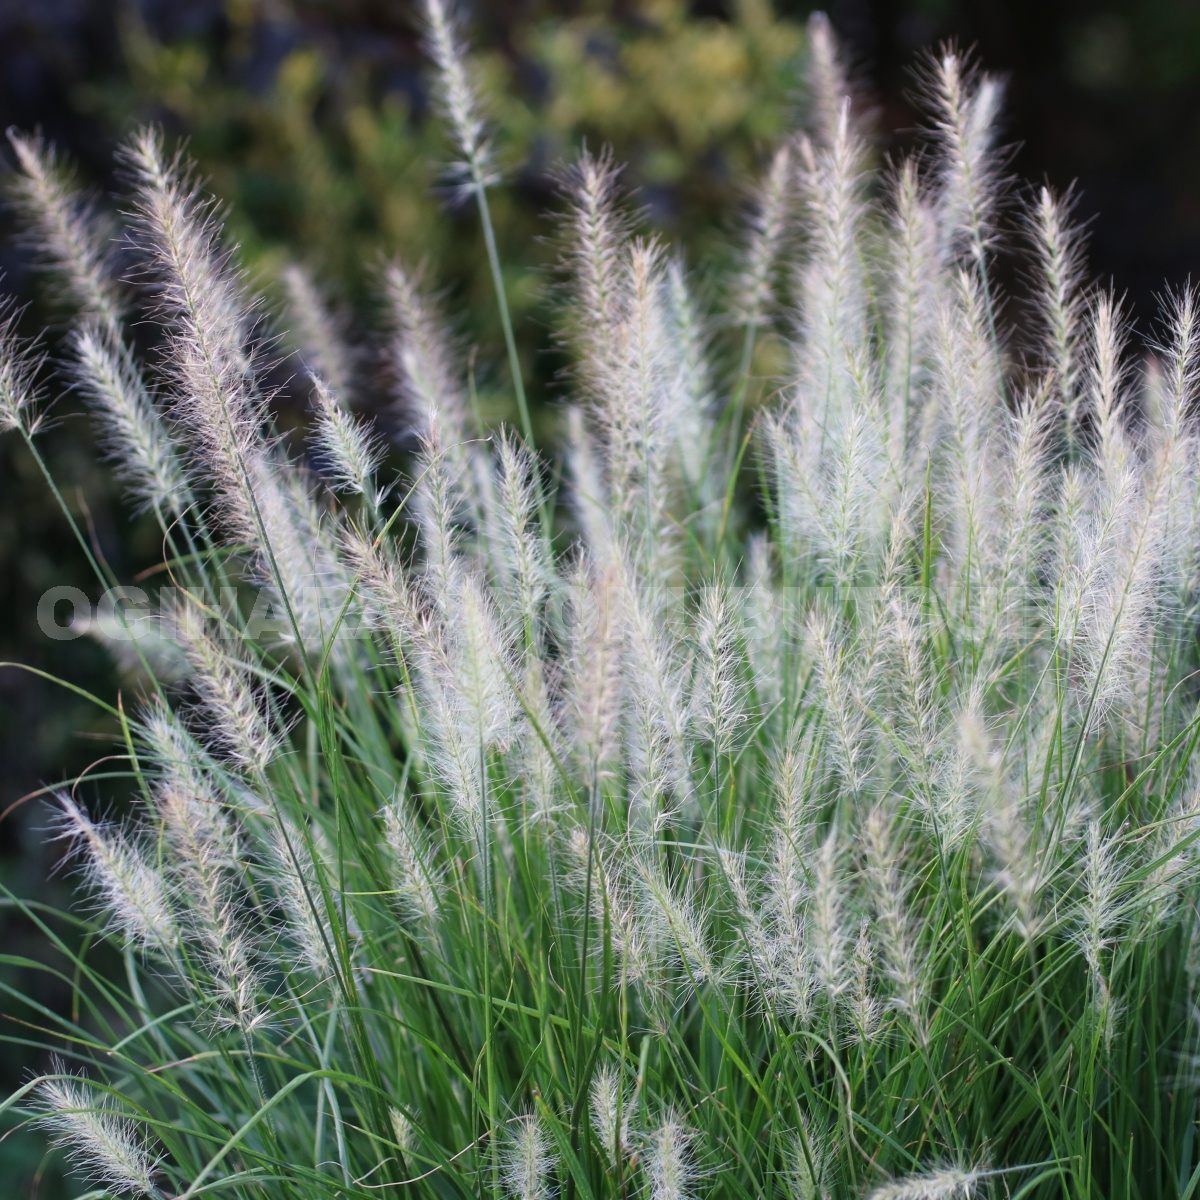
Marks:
<point>796,799</point>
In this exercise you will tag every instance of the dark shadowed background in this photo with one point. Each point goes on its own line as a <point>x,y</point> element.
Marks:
<point>312,122</point>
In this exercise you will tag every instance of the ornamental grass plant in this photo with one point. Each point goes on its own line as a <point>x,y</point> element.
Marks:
<point>779,789</point>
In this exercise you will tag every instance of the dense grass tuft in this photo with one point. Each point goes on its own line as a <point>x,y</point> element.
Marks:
<point>793,795</point>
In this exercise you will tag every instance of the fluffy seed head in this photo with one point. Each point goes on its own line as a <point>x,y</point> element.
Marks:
<point>527,1160</point>
<point>965,108</point>
<point>670,1170</point>
<point>950,1183</point>
<point>111,382</point>
<point>102,1142</point>
<point>826,78</point>
<point>200,291</point>
<point>130,887</point>
<point>348,450</point>
<point>403,1130</point>
<point>421,358</point>
<point>1060,303</point>
<point>717,691</point>
<point>807,1165</point>
<point>228,700</point>
<point>595,245</point>
<point>861,1002</point>
<point>19,365</point>
<point>768,229</point>
<point>417,876</point>
<point>71,242</point>
<point>609,1104</point>
<point>294,872</point>
<point>829,936</point>
<point>456,92</point>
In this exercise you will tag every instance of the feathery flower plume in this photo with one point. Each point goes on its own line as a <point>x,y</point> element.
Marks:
<point>631,412</point>
<point>298,560</point>
<point>438,505</point>
<point>71,243</point>
<point>1023,493</point>
<point>610,1106</point>
<point>417,876</point>
<point>457,758</point>
<point>457,94</point>
<point>654,771</point>
<point>764,632</point>
<point>969,376</point>
<point>316,332</point>
<point>200,832</point>
<point>1059,303</point>
<point>828,89</point>
<point>849,517</point>
<point>131,889</point>
<point>430,387</point>
<point>964,109</point>
<point>1131,540</point>
<point>229,953</point>
<point>478,655</point>
<point>901,957</point>
<point>217,401</point>
<point>592,684</point>
<point>768,230</point>
<point>831,281</point>
<point>228,701</point>
<point>528,1160</point>
<point>912,283</point>
<point>1101,911</point>
<point>687,396</point>
<point>203,866</point>
<point>543,749</point>
<point>670,1171</point>
<point>19,365</point>
<point>181,763</point>
<point>517,545</point>
<point>639,943</point>
<point>200,291</point>
<point>404,1130</point>
<point>391,600</point>
<point>293,871</point>
<point>596,242</point>
<point>860,1000</point>
<point>716,702</point>
<point>914,695</point>
<point>844,701</point>
<point>653,674</point>
<point>1106,386</point>
<point>827,930</point>
<point>791,837</point>
<point>471,708</point>
<point>101,1141</point>
<point>807,1164</point>
<point>676,923</point>
<point>111,382</point>
<point>1009,830</point>
<point>949,1183</point>
<point>591,504</point>
<point>347,448</point>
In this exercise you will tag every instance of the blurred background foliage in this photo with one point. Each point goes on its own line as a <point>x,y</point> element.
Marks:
<point>312,121</point>
<point>316,129</point>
